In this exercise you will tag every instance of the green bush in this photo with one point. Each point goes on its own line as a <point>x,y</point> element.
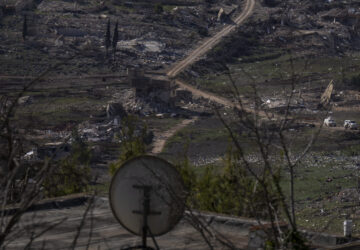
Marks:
<point>227,188</point>
<point>72,174</point>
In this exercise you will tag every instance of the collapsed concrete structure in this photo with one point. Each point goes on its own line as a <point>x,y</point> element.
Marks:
<point>155,87</point>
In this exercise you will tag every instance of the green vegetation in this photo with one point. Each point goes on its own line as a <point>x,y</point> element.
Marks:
<point>328,216</point>
<point>318,179</point>
<point>72,174</point>
<point>321,181</point>
<point>269,66</point>
<point>208,134</point>
<point>198,135</point>
<point>61,110</point>
<point>353,150</point>
<point>226,188</point>
<point>221,86</point>
<point>204,130</point>
<point>164,123</point>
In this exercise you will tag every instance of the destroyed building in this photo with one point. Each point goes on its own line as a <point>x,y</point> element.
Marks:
<point>348,16</point>
<point>153,87</point>
<point>183,94</point>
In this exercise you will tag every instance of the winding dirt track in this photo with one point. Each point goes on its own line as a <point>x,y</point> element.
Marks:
<point>212,41</point>
<point>159,143</point>
<point>205,47</point>
<point>207,95</point>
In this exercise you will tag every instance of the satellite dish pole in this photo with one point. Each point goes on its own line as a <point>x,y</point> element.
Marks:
<point>145,213</point>
<point>147,186</point>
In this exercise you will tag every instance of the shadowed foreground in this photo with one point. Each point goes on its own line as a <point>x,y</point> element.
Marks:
<point>102,231</point>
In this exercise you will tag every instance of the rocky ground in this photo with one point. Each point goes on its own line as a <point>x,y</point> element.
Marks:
<point>323,40</point>
<point>81,91</point>
<point>148,37</point>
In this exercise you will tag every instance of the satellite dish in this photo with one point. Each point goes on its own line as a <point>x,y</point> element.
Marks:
<point>147,196</point>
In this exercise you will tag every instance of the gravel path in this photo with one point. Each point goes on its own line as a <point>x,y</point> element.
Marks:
<point>161,137</point>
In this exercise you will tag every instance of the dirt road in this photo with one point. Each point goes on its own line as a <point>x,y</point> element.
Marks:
<point>161,137</point>
<point>207,45</point>
<point>204,94</point>
<point>212,41</point>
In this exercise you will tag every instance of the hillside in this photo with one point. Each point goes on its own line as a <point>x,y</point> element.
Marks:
<point>175,68</point>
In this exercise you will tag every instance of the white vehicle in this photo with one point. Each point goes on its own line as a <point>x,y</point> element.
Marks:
<point>160,116</point>
<point>329,122</point>
<point>349,124</point>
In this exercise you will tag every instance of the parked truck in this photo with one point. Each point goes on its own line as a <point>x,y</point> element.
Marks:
<point>349,124</point>
<point>329,122</point>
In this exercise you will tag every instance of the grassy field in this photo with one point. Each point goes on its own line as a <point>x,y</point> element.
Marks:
<point>319,189</point>
<point>329,170</point>
<point>163,124</point>
<point>271,72</point>
<point>205,138</point>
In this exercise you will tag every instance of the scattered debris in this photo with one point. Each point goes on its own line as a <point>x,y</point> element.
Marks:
<point>30,155</point>
<point>326,96</point>
<point>25,100</point>
<point>348,195</point>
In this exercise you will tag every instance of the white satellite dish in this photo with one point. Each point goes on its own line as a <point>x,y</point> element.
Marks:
<point>147,196</point>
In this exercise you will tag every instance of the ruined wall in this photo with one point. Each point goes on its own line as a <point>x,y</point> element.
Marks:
<point>153,88</point>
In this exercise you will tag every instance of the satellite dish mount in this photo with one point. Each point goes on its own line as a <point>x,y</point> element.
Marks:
<point>145,213</point>
<point>146,195</point>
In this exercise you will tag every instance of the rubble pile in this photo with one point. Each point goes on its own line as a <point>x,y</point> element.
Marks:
<point>348,195</point>
<point>141,105</point>
<point>306,28</point>
<point>330,26</point>
<point>147,37</point>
